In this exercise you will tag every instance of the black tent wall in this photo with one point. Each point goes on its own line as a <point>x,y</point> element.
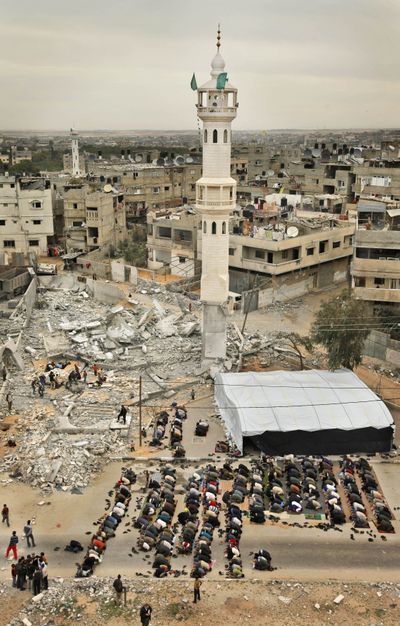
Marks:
<point>332,441</point>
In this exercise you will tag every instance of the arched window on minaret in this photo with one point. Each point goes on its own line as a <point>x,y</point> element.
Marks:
<point>205,227</point>
<point>215,136</point>
<point>214,228</point>
<point>224,228</point>
<point>225,136</point>
<point>205,136</point>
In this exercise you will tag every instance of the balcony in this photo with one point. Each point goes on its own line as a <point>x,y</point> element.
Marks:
<point>207,203</point>
<point>92,217</point>
<point>377,294</point>
<point>231,110</point>
<point>376,267</point>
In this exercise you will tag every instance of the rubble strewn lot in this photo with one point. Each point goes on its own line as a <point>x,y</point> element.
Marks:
<point>91,602</point>
<point>65,438</point>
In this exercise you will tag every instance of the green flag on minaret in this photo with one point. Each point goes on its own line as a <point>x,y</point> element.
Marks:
<point>193,82</point>
<point>222,80</point>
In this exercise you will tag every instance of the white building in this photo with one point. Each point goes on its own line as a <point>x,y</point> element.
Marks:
<point>215,199</point>
<point>26,214</point>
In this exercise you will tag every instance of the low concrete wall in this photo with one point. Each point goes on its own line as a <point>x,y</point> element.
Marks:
<point>380,346</point>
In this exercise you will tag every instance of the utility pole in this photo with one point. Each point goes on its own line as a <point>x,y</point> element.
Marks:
<point>140,411</point>
<point>249,300</point>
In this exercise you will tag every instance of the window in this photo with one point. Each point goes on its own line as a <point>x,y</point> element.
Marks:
<point>214,228</point>
<point>74,205</point>
<point>205,227</point>
<point>165,232</point>
<point>285,254</point>
<point>37,222</point>
<point>77,223</point>
<point>37,205</point>
<point>379,281</point>
<point>336,244</point>
<point>359,281</point>
<point>182,259</point>
<point>215,136</point>
<point>33,242</point>
<point>323,246</point>
<point>310,251</point>
<point>9,243</point>
<point>156,189</point>
<point>259,254</point>
<point>224,228</point>
<point>2,222</point>
<point>5,203</point>
<point>270,257</point>
<point>225,136</point>
<point>166,188</point>
<point>231,251</point>
<point>205,136</point>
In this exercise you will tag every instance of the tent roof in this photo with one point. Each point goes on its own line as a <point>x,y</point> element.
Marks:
<point>251,403</point>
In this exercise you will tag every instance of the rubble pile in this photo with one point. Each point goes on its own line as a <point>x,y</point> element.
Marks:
<point>46,460</point>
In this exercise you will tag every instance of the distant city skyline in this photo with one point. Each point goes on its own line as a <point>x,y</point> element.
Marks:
<point>301,64</point>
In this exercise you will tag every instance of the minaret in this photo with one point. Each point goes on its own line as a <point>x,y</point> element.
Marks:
<point>215,199</point>
<point>76,172</point>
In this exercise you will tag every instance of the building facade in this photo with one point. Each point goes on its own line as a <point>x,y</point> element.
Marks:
<point>26,214</point>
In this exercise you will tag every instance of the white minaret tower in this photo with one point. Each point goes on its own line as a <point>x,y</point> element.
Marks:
<point>215,199</point>
<point>76,172</point>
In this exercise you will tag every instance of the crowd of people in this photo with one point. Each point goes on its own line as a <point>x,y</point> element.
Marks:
<point>210,488</point>
<point>31,572</point>
<point>54,377</point>
<point>107,526</point>
<point>155,520</point>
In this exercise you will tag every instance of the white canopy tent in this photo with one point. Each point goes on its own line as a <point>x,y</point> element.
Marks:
<point>312,406</point>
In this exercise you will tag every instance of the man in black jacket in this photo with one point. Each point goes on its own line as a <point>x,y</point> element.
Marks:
<point>119,589</point>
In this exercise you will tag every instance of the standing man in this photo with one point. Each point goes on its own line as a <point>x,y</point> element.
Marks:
<point>4,373</point>
<point>5,514</point>
<point>9,401</point>
<point>34,383</point>
<point>145,614</point>
<point>119,589</point>
<point>12,545</point>
<point>37,580</point>
<point>45,577</point>
<point>196,590</point>
<point>28,532</point>
<point>122,413</point>
<point>193,394</point>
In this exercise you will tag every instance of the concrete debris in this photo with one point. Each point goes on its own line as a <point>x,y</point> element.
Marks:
<point>339,599</point>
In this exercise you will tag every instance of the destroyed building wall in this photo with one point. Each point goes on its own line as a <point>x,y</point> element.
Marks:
<point>104,292</point>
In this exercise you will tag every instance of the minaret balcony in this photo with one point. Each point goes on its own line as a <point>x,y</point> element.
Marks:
<point>230,110</point>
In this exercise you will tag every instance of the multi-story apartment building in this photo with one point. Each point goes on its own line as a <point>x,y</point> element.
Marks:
<point>172,240</point>
<point>377,179</point>
<point>93,219</point>
<point>294,255</point>
<point>26,214</point>
<point>376,261</point>
<point>148,186</point>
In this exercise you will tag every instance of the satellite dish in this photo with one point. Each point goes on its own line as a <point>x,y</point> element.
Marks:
<point>189,160</point>
<point>270,173</point>
<point>358,152</point>
<point>107,188</point>
<point>292,231</point>
<point>179,160</point>
<point>138,158</point>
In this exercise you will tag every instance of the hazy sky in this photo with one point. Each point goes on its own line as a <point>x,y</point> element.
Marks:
<point>127,64</point>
